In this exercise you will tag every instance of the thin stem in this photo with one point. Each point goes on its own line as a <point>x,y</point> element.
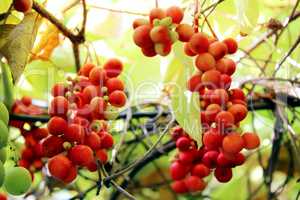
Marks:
<point>156,3</point>
<point>131,166</point>
<point>117,10</point>
<point>196,16</point>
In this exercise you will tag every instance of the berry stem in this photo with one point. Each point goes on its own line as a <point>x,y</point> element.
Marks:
<point>196,16</point>
<point>156,3</point>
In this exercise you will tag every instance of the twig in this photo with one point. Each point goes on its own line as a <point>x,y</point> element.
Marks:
<point>118,11</point>
<point>65,31</point>
<point>84,10</point>
<point>131,166</point>
<point>76,56</point>
<point>156,3</point>
<point>120,189</point>
<point>287,55</point>
<point>196,16</point>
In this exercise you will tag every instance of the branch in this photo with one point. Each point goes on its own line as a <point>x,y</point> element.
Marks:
<point>287,55</point>
<point>65,31</point>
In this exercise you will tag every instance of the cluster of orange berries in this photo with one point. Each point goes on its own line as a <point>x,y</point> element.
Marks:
<point>79,112</point>
<point>156,35</point>
<point>222,109</point>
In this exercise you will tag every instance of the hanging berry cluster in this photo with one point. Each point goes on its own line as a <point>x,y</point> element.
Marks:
<point>222,109</point>
<point>79,110</point>
<point>31,155</point>
<point>156,35</point>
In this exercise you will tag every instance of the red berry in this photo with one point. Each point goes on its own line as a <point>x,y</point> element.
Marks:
<point>183,143</point>
<point>175,13</point>
<point>57,125</point>
<point>39,133</point>
<point>239,159</point>
<point>179,187</point>
<point>219,96</point>
<point>223,161</point>
<point>233,143</point>
<point>239,112</point>
<point>102,156</point>
<point>139,22</point>
<point>160,34</point>
<point>3,196</point>
<point>89,93</point>
<point>98,106</point>
<point>237,94</point>
<point>199,43</point>
<point>156,13</point>
<point>210,159</point>
<point>226,66</point>
<point>223,175</point>
<point>72,174</point>
<point>251,140</point>
<point>23,5</point>
<point>98,76</point>
<point>200,170</point>
<point>224,119</point>
<point>187,157</point>
<point>177,132</point>
<point>141,36</point>
<point>92,167</point>
<point>149,51</point>
<point>86,69</point>
<point>231,44</point>
<point>107,140</point>
<point>75,133</point>
<point>27,154</point>
<point>194,83</point>
<point>185,32</point>
<point>218,50</point>
<point>205,62</point>
<point>59,106</point>
<point>178,171</point>
<point>59,166</point>
<point>211,78</point>
<point>212,140</point>
<point>113,67</point>
<point>52,146</point>
<point>93,140</point>
<point>163,49</point>
<point>194,183</point>
<point>188,51</point>
<point>225,81</point>
<point>27,101</point>
<point>114,84</point>
<point>117,98</point>
<point>81,155</point>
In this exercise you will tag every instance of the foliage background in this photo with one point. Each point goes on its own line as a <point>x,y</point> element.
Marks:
<point>109,34</point>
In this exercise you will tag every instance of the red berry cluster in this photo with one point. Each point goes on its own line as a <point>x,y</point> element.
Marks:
<point>31,155</point>
<point>156,35</point>
<point>222,109</point>
<point>219,154</point>
<point>78,131</point>
<point>24,107</point>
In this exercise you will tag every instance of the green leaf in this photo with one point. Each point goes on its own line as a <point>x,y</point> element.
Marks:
<point>7,85</point>
<point>19,42</point>
<point>4,6</point>
<point>185,104</point>
<point>4,33</point>
<point>247,14</point>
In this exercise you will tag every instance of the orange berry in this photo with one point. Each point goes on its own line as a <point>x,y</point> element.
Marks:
<point>239,112</point>
<point>211,78</point>
<point>141,36</point>
<point>205,62</point>
<point>113,67</point>
<point>199,43</point>
<point>251,140</point>
<point>231,44</point>
<point>185,32</point>
<point>117,98</point>
<point>175,13</point>
<point>156,13</point>
<point>233,143</point>
<point>139,22</point>
<point>86,69</point>
<point>218,50</point>
<point>226,66</point>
